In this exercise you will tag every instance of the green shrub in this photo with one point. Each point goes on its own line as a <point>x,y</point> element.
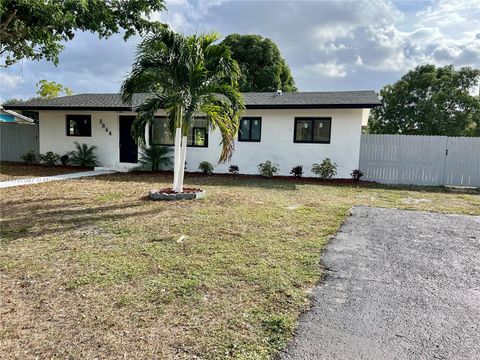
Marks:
<point>84,155</point>
<point>297,171</point>
<point>206,167</point>
<point>233,169</point>
<point>49,159</point>
<point>268,169</point>
<point>64,159</point>
<point>155,157</point>
<point>29,157</point>
<point>356,174</point>
<point>326,170</point>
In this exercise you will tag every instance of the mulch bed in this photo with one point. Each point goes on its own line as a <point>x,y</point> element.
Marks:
<point>296,180</point>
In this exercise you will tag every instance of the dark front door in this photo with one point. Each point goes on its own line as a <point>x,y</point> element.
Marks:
<point>128,148</point>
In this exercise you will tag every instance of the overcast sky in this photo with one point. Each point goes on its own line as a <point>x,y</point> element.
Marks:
<point>329,45</point>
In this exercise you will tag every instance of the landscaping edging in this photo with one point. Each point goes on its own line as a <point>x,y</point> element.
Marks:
<point>169,195</point>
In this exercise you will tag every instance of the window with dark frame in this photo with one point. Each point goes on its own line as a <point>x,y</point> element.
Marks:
<point>250,129</point>
<point>197,137</point>
<point>79,125</point>
<point>312,130</point>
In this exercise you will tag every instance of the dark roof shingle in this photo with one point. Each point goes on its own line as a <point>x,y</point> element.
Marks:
<point>253,100</point>
<point>326,98</point>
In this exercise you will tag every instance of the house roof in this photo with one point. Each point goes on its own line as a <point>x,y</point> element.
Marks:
<point>253,100</point>
<point>15,116</point>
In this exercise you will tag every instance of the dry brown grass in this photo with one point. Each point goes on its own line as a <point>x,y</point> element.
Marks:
<point>11,171</point>
<point>90,269</point>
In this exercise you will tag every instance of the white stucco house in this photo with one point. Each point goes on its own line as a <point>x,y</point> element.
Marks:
<point>290,129</point>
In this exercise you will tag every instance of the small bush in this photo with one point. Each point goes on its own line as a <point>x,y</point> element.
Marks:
<point>233,169</point>
<point>29,157</point>
<point>326,170</point>
<point>297,171</point>
<point>155,157</point>
<point>356,174</point>
<point>64,159</point>
<point>206,167</point>
<point>49,159</point>
<point>84,155</point>
<point>268,169</point>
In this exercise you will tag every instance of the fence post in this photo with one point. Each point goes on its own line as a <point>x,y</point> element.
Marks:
<point>445,154</point>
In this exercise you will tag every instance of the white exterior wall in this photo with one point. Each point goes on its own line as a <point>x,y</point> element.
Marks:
<point>277,144</point>
<point>276,141</point>
<point>53,135</point>
<point>365,116</point>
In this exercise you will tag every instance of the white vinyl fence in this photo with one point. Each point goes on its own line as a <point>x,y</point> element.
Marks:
<point>421,160</point>
<point>17,139</point>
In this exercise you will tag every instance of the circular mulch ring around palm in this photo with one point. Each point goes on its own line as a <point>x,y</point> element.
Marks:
<point>169,194</point>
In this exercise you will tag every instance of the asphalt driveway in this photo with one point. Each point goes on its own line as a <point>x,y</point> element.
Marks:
<point>399,285</point>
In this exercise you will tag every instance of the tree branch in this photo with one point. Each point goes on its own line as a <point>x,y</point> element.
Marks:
<point>8,20</point>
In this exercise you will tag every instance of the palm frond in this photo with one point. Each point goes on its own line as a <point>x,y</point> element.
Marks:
<point>187,75</point>
<point>84,155</point>
<point>221,116</point>
<point>145,114</point>
<point>155,157</point>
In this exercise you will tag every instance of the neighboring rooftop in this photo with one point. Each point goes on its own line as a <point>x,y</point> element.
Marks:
<point>253,100</point>
<point>9,116</point>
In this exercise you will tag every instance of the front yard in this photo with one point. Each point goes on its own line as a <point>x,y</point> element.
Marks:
<point>12,171</point>
<point>91,269</point>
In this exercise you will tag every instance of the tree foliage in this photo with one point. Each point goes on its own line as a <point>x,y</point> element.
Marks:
<point>51,89</point>
<point>261,64</point>
<point>155,157</point>
<point>35,29</point>
<point>186,76</point>
<point>430,100</point>
<point>83,155</point>
<point>15,101</point>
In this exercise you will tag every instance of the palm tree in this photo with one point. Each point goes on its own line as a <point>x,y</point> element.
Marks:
<point>155,157</point>
<point>84,155</point>
<point>186,76</point>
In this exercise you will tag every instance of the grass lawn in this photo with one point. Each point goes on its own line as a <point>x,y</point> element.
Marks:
<point>11,171</point>
<point>90,269</point>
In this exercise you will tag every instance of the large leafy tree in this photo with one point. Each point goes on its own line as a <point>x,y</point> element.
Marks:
<point>36,29</point>
<point>51,89</point>
<point>186,76</point>
<point>430,100</point>
<point>261,64</point>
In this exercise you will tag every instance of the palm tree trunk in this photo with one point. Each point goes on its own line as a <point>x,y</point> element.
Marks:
<point>147,135</point>
<point>183,156</point>
<point>181,167</point>
<point>176,157</point>
<point>177,150</point>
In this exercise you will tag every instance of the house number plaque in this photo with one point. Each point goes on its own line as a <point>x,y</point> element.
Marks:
<point>109,132</point>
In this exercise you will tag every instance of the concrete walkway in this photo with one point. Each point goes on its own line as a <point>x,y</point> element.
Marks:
<point>43,179</point>
<point>399,285</point>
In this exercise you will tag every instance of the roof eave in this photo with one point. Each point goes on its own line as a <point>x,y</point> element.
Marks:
<point>81,108</point>
<point>251,106</point>
<point>23,118</point>
<point>312,106</point>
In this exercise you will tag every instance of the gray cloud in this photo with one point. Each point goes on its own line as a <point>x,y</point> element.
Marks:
<point>329,45</point>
